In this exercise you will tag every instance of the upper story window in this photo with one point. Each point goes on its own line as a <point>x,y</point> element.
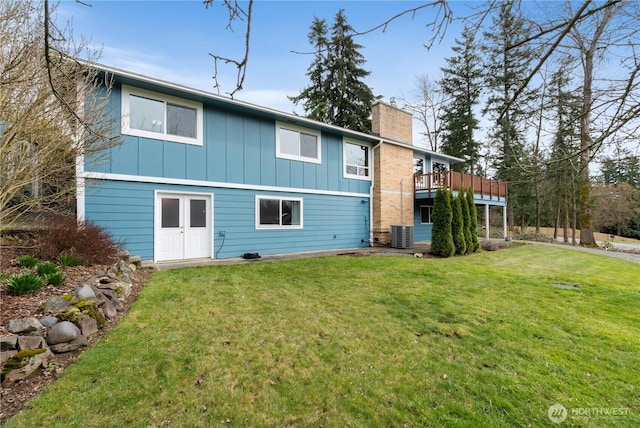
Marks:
<point>161,117</point>
<point>356,160</point>
<point>418,165</point>
<point>293,142</point>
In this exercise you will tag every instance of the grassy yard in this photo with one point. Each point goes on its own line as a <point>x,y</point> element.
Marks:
<point>478,341</point>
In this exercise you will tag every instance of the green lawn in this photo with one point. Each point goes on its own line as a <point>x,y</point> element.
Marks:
<point>483,340</point>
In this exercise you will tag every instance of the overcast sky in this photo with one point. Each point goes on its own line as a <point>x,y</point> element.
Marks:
<point>172,40</point>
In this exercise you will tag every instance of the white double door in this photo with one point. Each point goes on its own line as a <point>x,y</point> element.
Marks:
<point>183,226</point>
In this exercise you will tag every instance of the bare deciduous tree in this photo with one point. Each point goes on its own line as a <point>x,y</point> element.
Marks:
<point>426,106</point>
<point>52,111</point>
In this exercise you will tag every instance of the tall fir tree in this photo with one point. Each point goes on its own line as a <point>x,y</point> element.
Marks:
<point>441,232</point>
<point>461,84</point>
<point>507,66</point>
<point>337,93</point>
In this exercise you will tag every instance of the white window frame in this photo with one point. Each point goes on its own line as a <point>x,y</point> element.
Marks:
<point>299,129</point>
<point>440,161</point>
<point>127,91</point>
<point>430,214</point>
<point>278,226</point>
<point>345,142</point>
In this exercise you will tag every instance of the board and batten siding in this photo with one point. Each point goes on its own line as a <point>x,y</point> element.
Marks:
<point>237,148</point>
<point>126,210</point>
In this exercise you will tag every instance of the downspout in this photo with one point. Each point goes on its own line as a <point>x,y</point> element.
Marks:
<point>373,181</point>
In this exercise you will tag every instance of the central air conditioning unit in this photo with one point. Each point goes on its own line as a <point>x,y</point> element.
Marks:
<point>401,236</point>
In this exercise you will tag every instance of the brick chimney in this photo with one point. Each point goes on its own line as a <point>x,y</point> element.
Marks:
<point>393,198</point>
<point>391,122</point>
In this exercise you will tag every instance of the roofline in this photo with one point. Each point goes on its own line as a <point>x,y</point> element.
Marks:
<point>280,115</point>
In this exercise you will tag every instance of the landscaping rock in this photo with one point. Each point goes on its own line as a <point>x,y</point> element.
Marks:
<point>63,332</point>
<point>108,309</point>
<point>90,307</point>
<point>23,364</point>
<point>5,355</point>
<point>8,343</point>
<point>31,342</point>
<point>56,304</point>
<point>88,326</point>
<point>84,292</point>
<point>48,321</point>
<point>76,343</point>
<point>117,304</point>
<point>26,326</point>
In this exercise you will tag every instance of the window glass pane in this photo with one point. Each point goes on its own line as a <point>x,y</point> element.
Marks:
<point>353,170</point>
<point>146,114</point>
<point>198,213</point>
<point>181,121</point>
<point>269,211</point>
<point>290,213</point>
<point>170,212</point>
<point>309,146</point>
<point>418,166</point>
<point>425,214</point>
<point>289,142</point>
<point>355,155</point>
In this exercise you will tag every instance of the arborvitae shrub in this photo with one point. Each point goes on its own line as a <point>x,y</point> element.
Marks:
<point>441,235</point>
<point>84,240</point>
<point>457,226</point>
<point>467,222</point>
<point>473,215</point>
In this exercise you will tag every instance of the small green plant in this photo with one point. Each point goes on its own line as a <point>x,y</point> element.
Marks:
<point>68,260</point>
<point>27,261</point>
<point>46,268</point>
<point>3,276</point>
<point>56,279</point>
<point>24,283</point>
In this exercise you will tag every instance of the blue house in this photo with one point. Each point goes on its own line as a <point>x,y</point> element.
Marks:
<point>203,176</point>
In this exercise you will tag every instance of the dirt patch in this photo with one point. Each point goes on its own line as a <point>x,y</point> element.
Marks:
<point>14,398</point>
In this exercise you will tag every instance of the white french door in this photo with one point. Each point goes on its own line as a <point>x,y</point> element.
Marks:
<point>183,227</point>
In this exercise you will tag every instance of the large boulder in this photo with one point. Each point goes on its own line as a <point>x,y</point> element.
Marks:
<point>56,304</point>
<point>26,326</point>
<point>63,332</point>
<point>23,364</point>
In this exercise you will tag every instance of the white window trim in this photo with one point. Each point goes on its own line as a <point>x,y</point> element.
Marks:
<point>127,91</point>
<point>420,213</point>
<point>275,226</point>
<point>317,134</point>
<point>344,160</point>
<point>436,160</point>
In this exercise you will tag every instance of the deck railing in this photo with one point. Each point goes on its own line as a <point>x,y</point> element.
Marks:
<point>456,181</point>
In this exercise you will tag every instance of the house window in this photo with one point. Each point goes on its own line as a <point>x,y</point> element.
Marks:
<point>297,143</point>
<point>425,214</point>
<point>356,161</point>
<point>277,213</point>
<point>161,117</point>
<point>418,165</point>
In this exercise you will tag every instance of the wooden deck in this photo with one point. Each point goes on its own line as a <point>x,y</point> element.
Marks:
<point>457,181</point>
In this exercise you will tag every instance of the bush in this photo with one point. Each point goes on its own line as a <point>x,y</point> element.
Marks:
<point>56,279</point>
<point>536,237</point>
<point>68,260</point>
<point>24,283</point>
<point>27,261</point>
<point>46,268</point>
<point>473,216</point>
<point>441,235</point>
<point>457,226</point>
<point>83,240</point>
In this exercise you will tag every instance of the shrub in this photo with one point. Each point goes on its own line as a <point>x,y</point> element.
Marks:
<point>457,226</point>
<point>473,216</point>
<point>24,283</point>
<point>468,240</point>
<point>27,261</point>
<point>56,279</point>
<point>68,260</point>
<point>441,235</point>
<point>46,268</point>
<point>84,240</point>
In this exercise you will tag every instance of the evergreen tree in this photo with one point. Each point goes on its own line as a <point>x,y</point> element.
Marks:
<point>467,222</point>
<point>441,233</point>
<point>457,226</point>
<point>473,216</point>
<point>337,94</point>
<point>314,96</point>
<point>506,68</point>
<point>461,85</point>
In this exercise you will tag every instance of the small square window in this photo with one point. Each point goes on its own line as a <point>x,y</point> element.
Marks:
<point>425,214</point>
<point>356,160</point>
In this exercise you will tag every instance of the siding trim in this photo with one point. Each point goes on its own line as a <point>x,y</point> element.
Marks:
<point>204,183</point>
